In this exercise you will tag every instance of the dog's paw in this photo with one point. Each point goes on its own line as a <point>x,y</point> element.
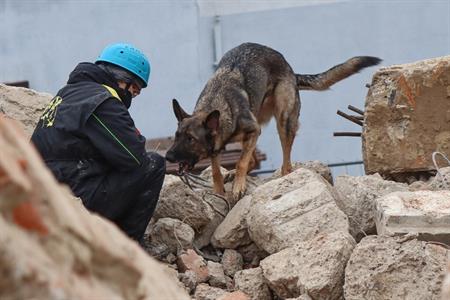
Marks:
<point>286,170</point>
<point>237,196</point>
<point>238,191</point>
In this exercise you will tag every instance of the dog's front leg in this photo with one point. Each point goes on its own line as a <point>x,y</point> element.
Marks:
<point>248,147</point>
<point>217,175</point>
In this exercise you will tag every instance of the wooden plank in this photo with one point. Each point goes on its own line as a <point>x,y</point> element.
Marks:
<point>23,83</point>
<point>229,156</point>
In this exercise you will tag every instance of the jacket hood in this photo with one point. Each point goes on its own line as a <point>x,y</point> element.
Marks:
<point>86,71</point>
<point>90,72</point>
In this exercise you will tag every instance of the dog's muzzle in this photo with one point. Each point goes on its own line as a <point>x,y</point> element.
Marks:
<point>184,164</point>
<point>170,156</point>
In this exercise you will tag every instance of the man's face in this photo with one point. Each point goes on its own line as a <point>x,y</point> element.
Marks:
<point>134,88</point>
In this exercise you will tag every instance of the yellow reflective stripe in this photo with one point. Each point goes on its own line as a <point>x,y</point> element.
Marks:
<point>112,92</point>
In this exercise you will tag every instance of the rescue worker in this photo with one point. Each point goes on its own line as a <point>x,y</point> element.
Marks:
<point>88,139</point>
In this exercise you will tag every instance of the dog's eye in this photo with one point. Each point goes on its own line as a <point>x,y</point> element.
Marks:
<point>190,139</point>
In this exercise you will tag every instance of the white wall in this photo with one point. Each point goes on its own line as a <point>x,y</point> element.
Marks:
<point>41,41</point>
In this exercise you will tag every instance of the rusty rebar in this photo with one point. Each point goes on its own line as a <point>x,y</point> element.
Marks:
<point>350,118</point>
<point>346,133</point>
<point>356,110</point>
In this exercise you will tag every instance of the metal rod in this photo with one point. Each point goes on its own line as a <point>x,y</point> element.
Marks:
<point>356,110</point>
<point>350,118</point>
<point>349,163</point>
<point>331,165</point>
<point>346,133</point>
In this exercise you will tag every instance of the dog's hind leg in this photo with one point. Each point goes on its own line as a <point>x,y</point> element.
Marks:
<point>286,111</point>
<point>217,175</point>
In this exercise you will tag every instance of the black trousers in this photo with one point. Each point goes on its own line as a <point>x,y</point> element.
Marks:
<point>129,198</point>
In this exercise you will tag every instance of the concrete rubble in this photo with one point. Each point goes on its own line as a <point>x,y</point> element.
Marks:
<point>302,236</point>
<point>314,267</point>
<point>407,117</point>
<point>178,202</point>
<point>216,275</point>
<point>357,197</point>
<point>315,166</point>
<point>384,267</point>
<point>306,208</point>
<point>424,213</point>
<point>441,181</point>
<point>172,233</point>
<point>232,232</point>
<point>206,292</point>
<point>23,105</point>
<point>232,262</point>
<point>445,294</point>
<point>191,261</point>
<point>252,282</point>
<point>53,248</point>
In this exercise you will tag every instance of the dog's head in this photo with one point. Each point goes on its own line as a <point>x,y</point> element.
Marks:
<point>195,137</point>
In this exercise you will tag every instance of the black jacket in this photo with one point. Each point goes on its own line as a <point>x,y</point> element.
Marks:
<point>86,131</point>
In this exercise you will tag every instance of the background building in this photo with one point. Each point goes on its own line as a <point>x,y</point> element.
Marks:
<point>42,41</point>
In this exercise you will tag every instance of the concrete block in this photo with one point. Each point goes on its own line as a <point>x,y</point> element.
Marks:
<point>425,213</point>
<point>407,117</point>
<point>382,267</point>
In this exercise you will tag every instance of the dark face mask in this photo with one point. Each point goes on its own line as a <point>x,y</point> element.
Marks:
<point>125,95</point>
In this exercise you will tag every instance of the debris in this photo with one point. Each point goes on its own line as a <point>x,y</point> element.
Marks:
<point>425,213</point>
<point>252,282</point>
<point>406,117</point>
<point>382,267</point>
<point>289,237</point>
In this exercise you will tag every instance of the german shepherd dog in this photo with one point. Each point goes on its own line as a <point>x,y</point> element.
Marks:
<point>251,84</point>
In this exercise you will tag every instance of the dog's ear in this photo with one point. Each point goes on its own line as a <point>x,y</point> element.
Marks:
<point>212,121</point>
<point>178,111</point>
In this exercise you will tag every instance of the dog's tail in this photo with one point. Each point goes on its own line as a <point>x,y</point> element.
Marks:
<point>323,81</point>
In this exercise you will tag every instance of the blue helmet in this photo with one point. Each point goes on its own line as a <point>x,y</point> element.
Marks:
<point>128,57</point>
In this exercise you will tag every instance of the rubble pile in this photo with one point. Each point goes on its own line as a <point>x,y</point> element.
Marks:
<point>299,237</point>
<point>51,247</point>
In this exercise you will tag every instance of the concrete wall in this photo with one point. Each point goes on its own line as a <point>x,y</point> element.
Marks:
<point>42,41</point>
<point>45,39</point>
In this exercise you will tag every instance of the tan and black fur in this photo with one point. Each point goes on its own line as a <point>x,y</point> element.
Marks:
<point>252,84</point>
